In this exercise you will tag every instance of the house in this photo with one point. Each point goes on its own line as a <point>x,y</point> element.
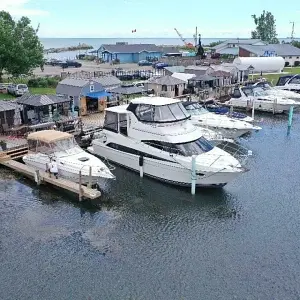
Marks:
<point>199,70</point>
<point>88,95</point>
<point>288,52</point>
<point>183,76</point>
<point>231,47</point>
<point>174,69</point>
<point>43,108</point>
<point>129,53</point>
<point>166,86</point>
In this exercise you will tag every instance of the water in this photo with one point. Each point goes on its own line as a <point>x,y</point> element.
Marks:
<point>147,240</point>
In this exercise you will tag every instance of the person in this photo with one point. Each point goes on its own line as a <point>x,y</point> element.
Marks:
<point>53,169</point>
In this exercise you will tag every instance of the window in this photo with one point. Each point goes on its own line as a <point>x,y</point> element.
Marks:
<point>144,112</point>
<point>111,121</point>
<point>295,80</point>
<point>290,57</point>
<point>283,57</point>
<point>297,57</point>
<point>92,88</point>
<point>283,80</point>
<point>164,88</point>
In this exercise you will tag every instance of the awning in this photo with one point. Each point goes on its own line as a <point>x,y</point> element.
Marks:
<point>98,94</point>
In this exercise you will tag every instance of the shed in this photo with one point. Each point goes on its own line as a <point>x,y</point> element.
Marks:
<point>9,115</point>
<point>167,86</point>
<point>202,81</point>
<point>174,69</point>
<point>86,94</point>
<point>43,108</point>
<point>108,82</point>
<point>199,70</point>
<point>129,53</point>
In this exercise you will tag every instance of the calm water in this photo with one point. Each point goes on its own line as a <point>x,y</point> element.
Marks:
<point>152,241</point>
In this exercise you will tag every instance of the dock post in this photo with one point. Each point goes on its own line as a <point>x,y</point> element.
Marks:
<point>141,163</point>
<point>90,177</point>
<point>37,177</point>
<point>253,110</point>
<point>291,112</point>
<point>80,189</point>
<point>193,187</point>
<point>274,106</point>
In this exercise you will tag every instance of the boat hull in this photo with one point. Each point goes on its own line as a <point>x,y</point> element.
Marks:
<point>229,133</point>
<point>166,171</point>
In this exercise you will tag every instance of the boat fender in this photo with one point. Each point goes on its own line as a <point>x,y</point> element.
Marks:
<point>141,160</point>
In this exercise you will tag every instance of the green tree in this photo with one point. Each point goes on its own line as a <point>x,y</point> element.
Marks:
<point>296,44</point>
<point>20,47</point>
<point>265,28</point>
<point>213,44</point>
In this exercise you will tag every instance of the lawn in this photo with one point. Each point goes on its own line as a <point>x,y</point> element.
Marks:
<point>32,91</point>
<point>273,78</point>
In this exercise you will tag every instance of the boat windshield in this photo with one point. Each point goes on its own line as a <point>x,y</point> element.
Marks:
<point>196,147</point>
<point>195,109</point>
<point>66,145</point>
<point>258,91</point>
<point>161,113</point>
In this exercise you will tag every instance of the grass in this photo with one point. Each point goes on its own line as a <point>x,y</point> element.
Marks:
<point>273,78</point>
<point>32,91</point>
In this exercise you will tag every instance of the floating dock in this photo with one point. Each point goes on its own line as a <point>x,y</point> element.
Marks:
<point>7,160</point>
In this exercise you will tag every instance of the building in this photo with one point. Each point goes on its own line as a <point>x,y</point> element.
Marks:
<point>108,82</point>
<point>129,53</point>
<point>9,115</point>
<point>231,47</point>
<point>88,95</point>
<point>288,52</point>
<point>174,69</point>
<point>171,51</point>
<point>166,86</point>
<point>199,70</point>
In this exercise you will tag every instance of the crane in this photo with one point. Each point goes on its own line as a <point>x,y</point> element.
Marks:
<point>189,45</point>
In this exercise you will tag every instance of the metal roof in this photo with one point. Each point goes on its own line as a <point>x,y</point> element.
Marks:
<point>75,82</point>
<point>7,105</point>
<point>167,80</point>
<point>200,68</point>
<point>130,48</point>
<point>40,100</point>
<point>280,49</point>
<point>107,81</point>
<point>170,50</point>
<point>203,78</point>
<point>127,90</point>
<point>238,42</point>
<point>175,69</point>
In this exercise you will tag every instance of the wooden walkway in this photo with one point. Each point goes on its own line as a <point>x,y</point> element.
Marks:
<point>40,177</point>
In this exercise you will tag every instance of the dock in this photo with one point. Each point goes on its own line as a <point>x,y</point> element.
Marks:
<point>43,177</point>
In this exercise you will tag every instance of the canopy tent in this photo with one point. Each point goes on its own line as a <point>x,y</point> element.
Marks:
<point>98,94</point>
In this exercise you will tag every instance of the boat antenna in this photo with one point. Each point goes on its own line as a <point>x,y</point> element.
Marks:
<point>293,30</point>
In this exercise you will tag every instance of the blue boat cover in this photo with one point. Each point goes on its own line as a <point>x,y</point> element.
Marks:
<point>98,94</point>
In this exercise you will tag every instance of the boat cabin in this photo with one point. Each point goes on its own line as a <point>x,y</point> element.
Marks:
<point>50,141</point>
<point>194,108</point>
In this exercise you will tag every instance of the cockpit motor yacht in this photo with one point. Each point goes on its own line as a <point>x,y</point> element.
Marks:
<point>226,126</point>
<point>70,158</point>
<point>154,136</point>
<point>246,97</point>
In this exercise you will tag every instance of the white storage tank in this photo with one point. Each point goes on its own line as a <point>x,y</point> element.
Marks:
<point>273,64</point>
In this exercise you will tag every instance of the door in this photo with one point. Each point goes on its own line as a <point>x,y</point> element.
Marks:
<point>176,90</point>
<point>123,124</point>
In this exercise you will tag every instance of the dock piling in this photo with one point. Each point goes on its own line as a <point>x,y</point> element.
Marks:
<point>253,109</point>
<point>80,189</point>
<point>193,187</point>
<point>90,177</point>
<point>290,120</point>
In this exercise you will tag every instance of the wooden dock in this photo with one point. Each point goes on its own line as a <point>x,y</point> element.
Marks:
<point>43,177</point>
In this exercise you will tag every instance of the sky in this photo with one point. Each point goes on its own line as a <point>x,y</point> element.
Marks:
<point>156,18</point>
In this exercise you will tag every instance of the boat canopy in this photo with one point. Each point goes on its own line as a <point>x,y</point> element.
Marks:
<point>49,136</point>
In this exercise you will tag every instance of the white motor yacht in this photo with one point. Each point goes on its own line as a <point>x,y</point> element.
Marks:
<point>154,136</point>
<point>275,91</point>
<point>289,82</point>
<point>223,124</point>
<point>248,96</point>
<point>70,158</point>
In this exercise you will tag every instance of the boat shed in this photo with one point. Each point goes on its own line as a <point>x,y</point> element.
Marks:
<point>202,81</point>
<point>43,108</point>
<point>87,95</point>
<point>129,53</point>
<point>9,115</point>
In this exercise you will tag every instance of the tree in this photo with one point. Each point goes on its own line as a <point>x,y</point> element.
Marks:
<point>265,28</point>
<point>213,44</point>
<point>20,47</point>
<point>296,44</point>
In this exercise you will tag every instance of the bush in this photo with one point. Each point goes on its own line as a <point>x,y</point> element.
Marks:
<point>297,63</point>
<point>44,82</point>
<point>286,64</point>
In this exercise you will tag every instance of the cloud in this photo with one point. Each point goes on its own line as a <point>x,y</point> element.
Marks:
<point>18,8</point>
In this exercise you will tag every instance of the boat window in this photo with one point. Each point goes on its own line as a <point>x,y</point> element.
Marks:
<point>43,147</point>
<point>283,80</point>
<point>196,147</point>
<point>178,110</point>
<point>295,80</point>
<point>195,109</point>
<point>145,112</point>
<point>237,93</point>
<point>66,145</point>
<point>163,113</point>
<point>123,123</point>
<point>111,121</point>
<point>248,92</point>
<point>32,145</point>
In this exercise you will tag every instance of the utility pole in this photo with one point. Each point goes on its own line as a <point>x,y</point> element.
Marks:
<point>293,30</point>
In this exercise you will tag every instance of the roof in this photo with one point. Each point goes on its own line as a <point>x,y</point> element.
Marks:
<point>167,80</point>
<point>203,78</point>
<point>154,100</point>
<point>48,136</point>
<point>127,90</point>
<point>229,51</point>
<point>220,73</point>
<point>239,42</point>
<point>175,69</point>
<point>279,49</point>
<point>108,81</point>
<point>130,48</point>
<point>7,105</point>
<point>183,76</point>
<point>75,82</point>
<point>170,50</point>
<point>195,68</point>
<point>121,109</point>
<point>40,100</point>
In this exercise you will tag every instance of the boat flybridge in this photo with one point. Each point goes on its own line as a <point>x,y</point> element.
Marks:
<point>69,157</point>
<point>274,91</point>
<point>249,96</point>
<point>154,136</point>
<point>226,126</point>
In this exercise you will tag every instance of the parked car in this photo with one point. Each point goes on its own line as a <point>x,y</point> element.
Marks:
<point>17,89</point>
<point>70,63</point>
<point>144,63</point>
<point>160,65</point>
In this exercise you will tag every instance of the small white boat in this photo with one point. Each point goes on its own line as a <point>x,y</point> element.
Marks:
<point>248,96</point>
<point>69,157</point>
<point>275,91</point>
<point>223,124</point>
<point>154,136</point>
